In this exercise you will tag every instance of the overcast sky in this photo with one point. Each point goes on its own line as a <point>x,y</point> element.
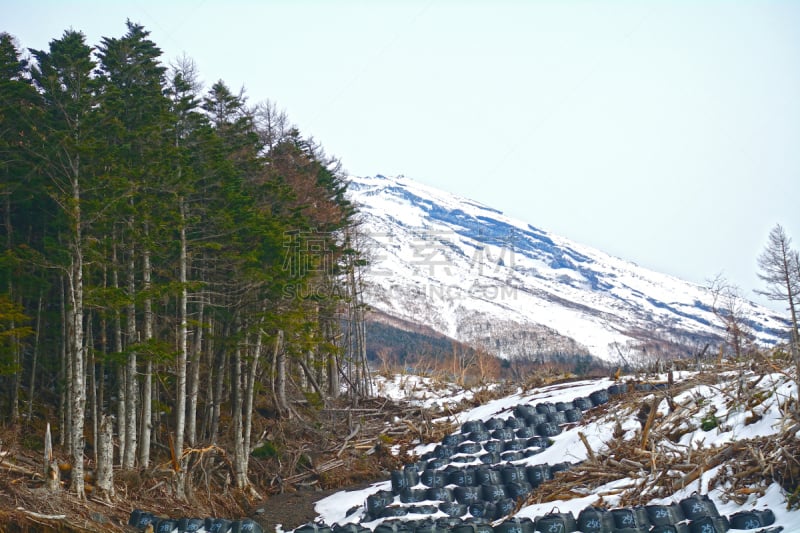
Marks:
<point>665,133</point>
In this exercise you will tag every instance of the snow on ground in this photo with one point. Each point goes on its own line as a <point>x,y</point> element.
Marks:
<point>424,391</point>
<point>717,400</point>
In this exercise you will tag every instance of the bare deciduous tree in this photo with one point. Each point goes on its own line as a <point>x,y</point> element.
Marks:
<point>272,124</point>
<point>729,307</point>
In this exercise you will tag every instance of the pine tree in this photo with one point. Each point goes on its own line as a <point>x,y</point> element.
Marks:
<point>63,76</point>
<point>18,105</point>
<point>134,113</point>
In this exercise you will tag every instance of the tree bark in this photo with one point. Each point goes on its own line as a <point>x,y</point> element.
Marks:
<point>147,389</point>
<point>332,363</point>
<point>105,460</point>
<point>94,408</point>
<point>180,403</point>
<point>69,360</point>
<point>209,357</point>
<point>180,400</point>
<point>239,460</point>
<point>77,411</point>
<point>250,398</point>
<point>122,380</point>
<point>37,334</point>
<point>132,392</point>
<point>194,379</point>
<point>16,379</point>
<point>77,408</point>
<point>65,378</point>
<point>280,376</point>
<point>219,386</point>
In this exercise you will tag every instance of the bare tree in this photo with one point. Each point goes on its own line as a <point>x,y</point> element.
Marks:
<point>779,269</point>
<point>488,366</point>
<point>272,124</point>
<point>727,305</point>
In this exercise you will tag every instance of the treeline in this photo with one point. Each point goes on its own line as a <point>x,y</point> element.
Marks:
<point>393,347</point>
<point>170,258</point>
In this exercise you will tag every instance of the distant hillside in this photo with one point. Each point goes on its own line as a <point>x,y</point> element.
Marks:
<point>393,343</point>
<point>387,340</point>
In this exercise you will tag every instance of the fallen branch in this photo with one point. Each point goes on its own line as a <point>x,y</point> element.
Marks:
<point>41,516</point>
<point>20,470</point>
<point>725,454</point>
<point>347,439</point>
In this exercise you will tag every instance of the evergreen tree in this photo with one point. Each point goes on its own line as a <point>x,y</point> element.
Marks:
<point>134,110</point>
<point>18,105</point>
<point>65,151</point>
<point>168,236</point>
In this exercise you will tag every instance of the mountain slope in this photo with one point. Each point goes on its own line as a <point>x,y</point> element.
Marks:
<point>478,276</point>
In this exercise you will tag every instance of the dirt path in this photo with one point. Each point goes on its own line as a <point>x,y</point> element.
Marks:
<point>290,510</point>
<point>293,509</point>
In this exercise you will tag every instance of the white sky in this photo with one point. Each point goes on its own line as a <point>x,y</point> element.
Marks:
<point>666,133</point>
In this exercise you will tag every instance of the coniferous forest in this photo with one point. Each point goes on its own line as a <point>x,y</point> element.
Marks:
<point>173,259</point>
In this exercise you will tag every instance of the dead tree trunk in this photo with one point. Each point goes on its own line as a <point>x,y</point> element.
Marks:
<point>52,474</point>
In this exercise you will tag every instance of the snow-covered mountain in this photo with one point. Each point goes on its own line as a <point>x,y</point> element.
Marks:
<point>478,276</point>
